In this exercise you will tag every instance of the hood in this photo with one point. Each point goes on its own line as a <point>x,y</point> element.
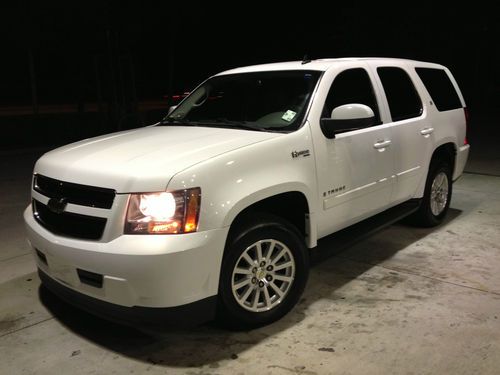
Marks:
<point>142,160</point>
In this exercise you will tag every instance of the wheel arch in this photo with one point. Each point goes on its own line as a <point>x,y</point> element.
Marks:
<point>447,151</point>
<point>291,205</point>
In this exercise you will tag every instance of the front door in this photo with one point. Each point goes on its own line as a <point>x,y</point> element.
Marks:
<point>355,169</point>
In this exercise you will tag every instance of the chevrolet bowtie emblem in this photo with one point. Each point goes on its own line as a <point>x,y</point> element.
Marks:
<point>57,205</point>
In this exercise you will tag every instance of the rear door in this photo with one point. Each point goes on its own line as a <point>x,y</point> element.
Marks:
<point>411,128</point>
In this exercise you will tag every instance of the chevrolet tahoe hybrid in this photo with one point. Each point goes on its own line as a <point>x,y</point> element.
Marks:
<point>214,210</point>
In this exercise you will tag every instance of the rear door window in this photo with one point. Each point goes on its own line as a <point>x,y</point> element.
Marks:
<point>440,88</point>
<point>403,99</point>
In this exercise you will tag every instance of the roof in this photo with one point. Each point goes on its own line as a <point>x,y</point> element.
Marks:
<point>319,64</point>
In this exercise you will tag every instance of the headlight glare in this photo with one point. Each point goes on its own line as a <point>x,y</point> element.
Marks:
<point>164,212</point>
<point>160,206</point>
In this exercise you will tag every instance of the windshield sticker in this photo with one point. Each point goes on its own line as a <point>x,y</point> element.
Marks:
<point>288,115</point>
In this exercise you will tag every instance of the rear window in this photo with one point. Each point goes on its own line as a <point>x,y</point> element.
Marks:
<point>440,88</point>
<point>402,96</point>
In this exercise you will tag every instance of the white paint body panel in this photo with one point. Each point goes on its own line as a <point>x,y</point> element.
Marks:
<point>150,271</point>
<point>412,149</point>
<point>141,160</point>
<point>235,180</point>
<point>351,161</point>
<point>344,180</point>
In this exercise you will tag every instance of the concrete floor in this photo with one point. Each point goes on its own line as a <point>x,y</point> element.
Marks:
<point>405,301</point>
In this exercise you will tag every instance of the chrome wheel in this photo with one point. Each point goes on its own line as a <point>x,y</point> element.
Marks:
<point>439,193</point>
<point>263,275</point>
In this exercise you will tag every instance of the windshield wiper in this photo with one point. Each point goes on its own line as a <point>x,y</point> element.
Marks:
<point>172,121</point>
<point>169,120</point>
<point>218,122</point>
<point>239,124</point>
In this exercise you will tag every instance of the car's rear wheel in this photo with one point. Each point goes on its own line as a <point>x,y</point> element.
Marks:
<point>264,272</point>
<point>437,195</point>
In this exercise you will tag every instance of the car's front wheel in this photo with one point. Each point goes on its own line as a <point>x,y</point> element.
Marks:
<point>264,272</point>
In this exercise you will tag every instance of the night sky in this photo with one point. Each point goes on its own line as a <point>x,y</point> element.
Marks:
<point>144,50</point>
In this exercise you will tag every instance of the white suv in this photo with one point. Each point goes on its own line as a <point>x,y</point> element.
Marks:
<point>215,208</point>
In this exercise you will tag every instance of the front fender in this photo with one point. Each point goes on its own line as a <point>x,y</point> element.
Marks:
<point>266,192</point>
<point>237,179</point>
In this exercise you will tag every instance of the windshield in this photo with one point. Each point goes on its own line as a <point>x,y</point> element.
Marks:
<point>271,101</point>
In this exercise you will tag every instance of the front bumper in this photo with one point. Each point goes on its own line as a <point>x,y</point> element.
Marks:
<point>180,316</point>
<point>138,271</point>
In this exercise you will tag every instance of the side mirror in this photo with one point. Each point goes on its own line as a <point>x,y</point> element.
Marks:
<point>347,117</point>
<point>171,109</point>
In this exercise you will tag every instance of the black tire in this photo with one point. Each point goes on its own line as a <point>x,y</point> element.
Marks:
<point>425,217</point>
<point>265,227</point>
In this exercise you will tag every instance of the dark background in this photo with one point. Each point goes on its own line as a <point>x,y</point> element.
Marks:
<point>74,70</point>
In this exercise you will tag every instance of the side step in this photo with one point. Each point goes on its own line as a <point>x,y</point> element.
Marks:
<point>339,241</point>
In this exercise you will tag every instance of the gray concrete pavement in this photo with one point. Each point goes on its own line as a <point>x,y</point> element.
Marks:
<point>405,301</point>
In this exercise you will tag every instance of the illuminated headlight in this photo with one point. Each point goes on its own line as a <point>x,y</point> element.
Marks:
<point>163,212</point>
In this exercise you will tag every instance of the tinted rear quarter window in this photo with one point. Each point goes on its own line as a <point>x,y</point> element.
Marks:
<point>440,88</point>
<point>402,96</point>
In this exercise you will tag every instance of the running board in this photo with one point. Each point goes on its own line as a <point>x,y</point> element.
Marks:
<point>339,241</point>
